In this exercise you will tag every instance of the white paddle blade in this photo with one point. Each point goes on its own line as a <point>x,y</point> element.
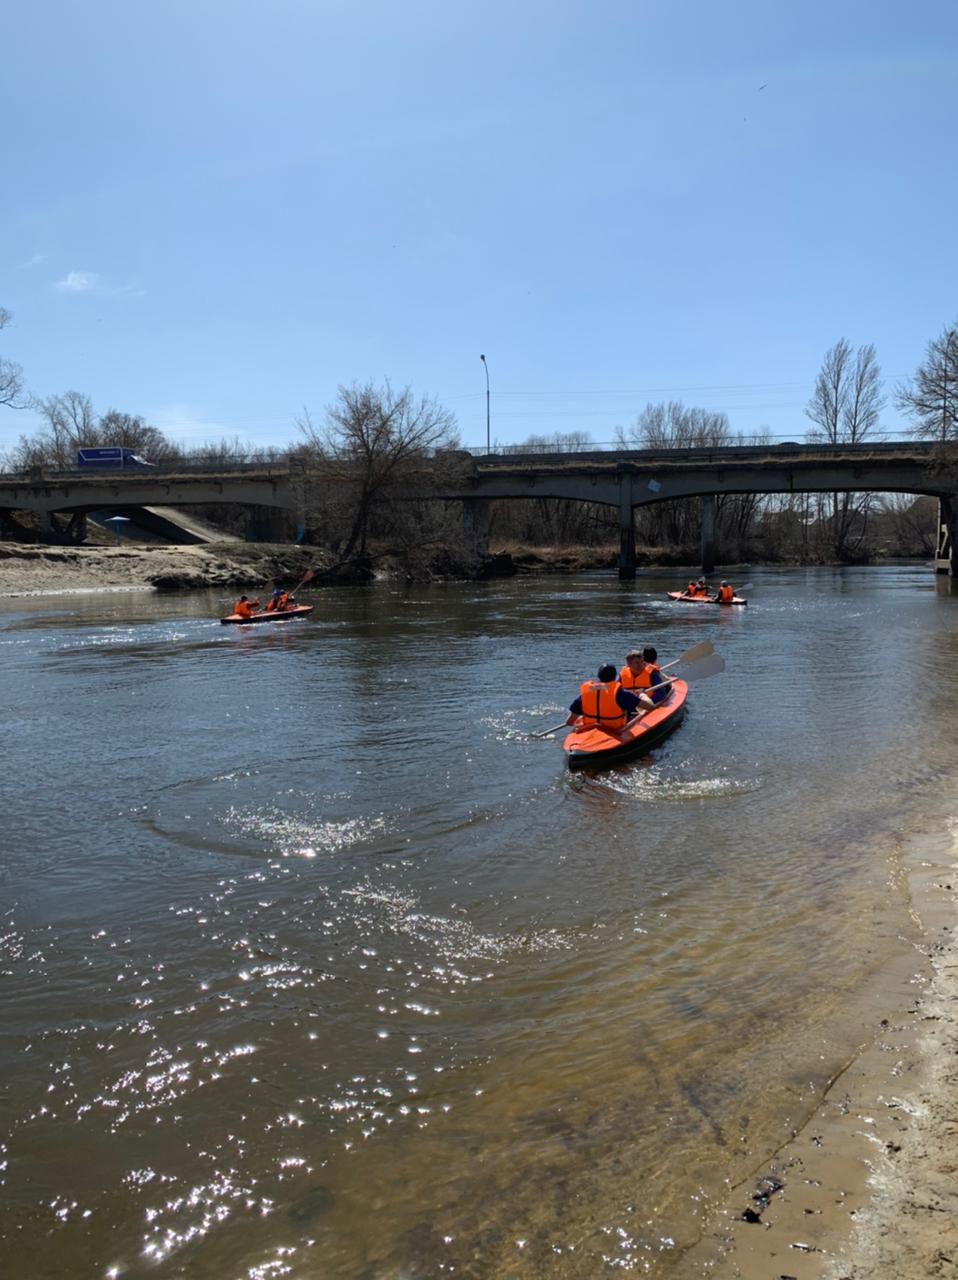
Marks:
<point>700,650</point>
<point>713,665</point>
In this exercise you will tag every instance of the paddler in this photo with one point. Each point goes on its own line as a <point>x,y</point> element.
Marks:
<point>604,702</point>
<point>725,593</point>
<point>690,589</point>
<point>277,601</point>
<point>641,672</point>
<point>700,588</point>
<point>244,607</point>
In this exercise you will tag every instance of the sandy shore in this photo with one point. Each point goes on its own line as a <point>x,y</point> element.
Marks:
<point>38,570</point>
<point>868,1186</point>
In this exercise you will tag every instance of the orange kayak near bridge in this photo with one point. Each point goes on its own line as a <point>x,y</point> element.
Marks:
<point>592,747</point>
<point>680,595</point>
<point>273,615</point>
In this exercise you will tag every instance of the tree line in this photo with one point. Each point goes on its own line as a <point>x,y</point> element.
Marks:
<point>364,450</point>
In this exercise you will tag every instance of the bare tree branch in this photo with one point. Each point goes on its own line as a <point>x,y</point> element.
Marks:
<point>932,395</point>
<point>11,374</point>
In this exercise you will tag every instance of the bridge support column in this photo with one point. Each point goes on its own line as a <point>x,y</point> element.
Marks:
<point>475,527</point>
<point>47,526</point>
<point>946,557</point>
<point>626,530</point>
<point>708,533</point>
<point>267,524</point>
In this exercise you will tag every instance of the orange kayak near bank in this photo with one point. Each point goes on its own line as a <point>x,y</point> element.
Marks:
<point>680,595</point>
<point>591,747</point>
<point>274,615</point>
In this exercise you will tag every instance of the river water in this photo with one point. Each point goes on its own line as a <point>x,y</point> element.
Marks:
<point>314,963</point>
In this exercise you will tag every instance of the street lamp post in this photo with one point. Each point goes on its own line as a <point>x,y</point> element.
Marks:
<point>486,367</point>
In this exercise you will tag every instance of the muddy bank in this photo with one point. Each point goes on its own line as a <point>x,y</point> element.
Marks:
<point>28,569</point>
<point>867,1185</point>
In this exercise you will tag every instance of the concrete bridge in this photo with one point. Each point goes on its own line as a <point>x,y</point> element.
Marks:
<point>278,495</point>
<point>625,480</point>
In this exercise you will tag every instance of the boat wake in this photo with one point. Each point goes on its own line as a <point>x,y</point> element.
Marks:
<point>656,785</point>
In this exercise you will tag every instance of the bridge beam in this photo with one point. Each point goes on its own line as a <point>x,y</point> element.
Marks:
<point>708,533</point>
<point>946,557</point>
<point>626,529</point>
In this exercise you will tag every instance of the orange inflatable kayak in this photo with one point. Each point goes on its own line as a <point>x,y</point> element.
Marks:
<point>680,595</point>
<point>275,615</point>
<point>594,747</point>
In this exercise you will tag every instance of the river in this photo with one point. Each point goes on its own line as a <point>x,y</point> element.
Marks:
<point>315,964</point>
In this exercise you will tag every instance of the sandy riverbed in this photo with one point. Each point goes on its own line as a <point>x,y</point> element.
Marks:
<point>867,1187</point>
<point>32,570</point>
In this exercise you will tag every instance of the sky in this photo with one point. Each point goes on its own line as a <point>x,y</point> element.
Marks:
<point>215,212</point>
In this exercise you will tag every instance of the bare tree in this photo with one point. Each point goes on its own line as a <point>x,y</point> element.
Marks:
<point>932,395</point>
<point>71,424</point>
<point>845,406</point>
<point>558,442</point>
<point>372,439</point>
<point>675,426</point>
<point>130,431</point>
<point>847,400</point>
<point>11,374</point>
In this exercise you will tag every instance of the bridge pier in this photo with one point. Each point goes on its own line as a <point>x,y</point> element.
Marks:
<point>946,559</point>
<point>475,527</point>
<point>626,530</point>
<point>708,533</point>
<point>267,524</point>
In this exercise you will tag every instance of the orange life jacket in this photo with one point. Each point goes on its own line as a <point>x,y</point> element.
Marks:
<point>282,602</point>
<point>242,609</point>
<point>690,589</point>
<point>641,681</point>
<point>726,593</point>
<point>599,705</point>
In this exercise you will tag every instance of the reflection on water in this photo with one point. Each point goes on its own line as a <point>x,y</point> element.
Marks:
<point>317,963</point>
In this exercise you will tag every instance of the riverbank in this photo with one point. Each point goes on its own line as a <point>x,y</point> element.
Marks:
<point>32,568</point>
<point>867,1185</point>
<point>35,569</point>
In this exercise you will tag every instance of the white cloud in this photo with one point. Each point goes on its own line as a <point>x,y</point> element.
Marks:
<point>34,261</point>
<point>78,282</point>
<point>90,282</point>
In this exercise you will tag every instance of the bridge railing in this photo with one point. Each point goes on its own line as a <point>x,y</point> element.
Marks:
<point>705,454</point>
<point>510,457</point>
<point>156,471</point>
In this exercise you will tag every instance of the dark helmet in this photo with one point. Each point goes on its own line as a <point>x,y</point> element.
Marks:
<point>607,672</point>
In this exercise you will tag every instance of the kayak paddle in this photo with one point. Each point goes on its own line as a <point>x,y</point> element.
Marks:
<point>712,665</point>
<point>700,650</point>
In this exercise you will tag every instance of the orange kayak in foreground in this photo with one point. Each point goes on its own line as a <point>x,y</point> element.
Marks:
<point>590,747</point>
<point>680,595</point>
<point>274,615</point>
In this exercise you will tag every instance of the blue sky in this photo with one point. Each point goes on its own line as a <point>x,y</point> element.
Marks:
<point>215,212</point>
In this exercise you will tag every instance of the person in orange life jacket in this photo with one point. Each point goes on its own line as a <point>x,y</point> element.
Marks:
<point>690,589</point>
<point>277,601</point>
<point>641,673</point>
<point>604,702</point>
<point>725,592</point>
<point>244,607</point>
<point>700,588</point>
